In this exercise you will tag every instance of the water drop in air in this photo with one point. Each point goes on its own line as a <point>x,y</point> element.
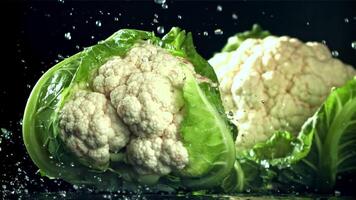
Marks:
<point>308,23</point>
<point>218,32</point>
<point>61,1</point>
<point>160,1</point>
<point>335,53</point>
<point>165,6</point>
<point>98,23</point>
<point>67,36</point>
<point>205,33</point>
<point>179,16</point>
<point>346,20</point>
<point>353,44</point>
<point>219,8</point>
<point>234,16</point>
<point>116,19</point>
<point>160,29</point>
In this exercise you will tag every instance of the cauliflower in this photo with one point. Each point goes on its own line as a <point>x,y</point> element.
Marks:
<point>91,129</point>
<point>275,83</point>
<point>138,103</point>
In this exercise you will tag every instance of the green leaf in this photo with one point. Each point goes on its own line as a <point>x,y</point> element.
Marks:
<point>207,137</point>
<point>235,41</point>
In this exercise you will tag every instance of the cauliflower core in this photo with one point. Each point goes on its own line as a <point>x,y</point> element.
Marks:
<point>144,88</point>
<point>275,84</point>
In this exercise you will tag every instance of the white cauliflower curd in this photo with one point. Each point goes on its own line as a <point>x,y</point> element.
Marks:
<point>275,83</point>
<point>136,103</point>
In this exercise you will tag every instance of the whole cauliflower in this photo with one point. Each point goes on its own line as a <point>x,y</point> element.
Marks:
<point>140,97</point>
<point>275,83</point>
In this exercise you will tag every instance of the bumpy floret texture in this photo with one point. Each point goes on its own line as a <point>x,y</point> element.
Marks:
<point>91,128</point>
<point>145,89</point>
<point>275,83</point>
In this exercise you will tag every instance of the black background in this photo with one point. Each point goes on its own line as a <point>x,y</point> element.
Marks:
<point>32,40</point>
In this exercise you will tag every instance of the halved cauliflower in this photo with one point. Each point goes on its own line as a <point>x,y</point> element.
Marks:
<point>140,97</point>
<point>275,83</point>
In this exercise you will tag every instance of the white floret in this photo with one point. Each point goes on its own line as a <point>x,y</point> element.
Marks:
<point>157,155</point>
<point>91,128</point>
<point>276,83</point>
<point>145,88</point>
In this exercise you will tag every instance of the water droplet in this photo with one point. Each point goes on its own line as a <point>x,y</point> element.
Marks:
<point>353,44</point>
<point>205,33</point>
<point>165,6</point>
<point>346,20</point>
<point>61,1</point>
<point>308,23</point>
<point>335,53</point>
<point>28,86</point>
<point>92,37</point>
<point>219,8</point>
<point>262,101</point>
<point>160,1</point>
<point>324,42</point>
<point>234,16</point>
<point>179,16</point>
<point>116,19</point>
<point>67,36</point>
<point>98,23</point>
<point>155,21</point>
<point>160,29</point>
<point>6,134</point>
<point>218,32</point>
<point>337,193</point>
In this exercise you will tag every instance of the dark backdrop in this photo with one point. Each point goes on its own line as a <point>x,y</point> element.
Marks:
<point>37,34</point>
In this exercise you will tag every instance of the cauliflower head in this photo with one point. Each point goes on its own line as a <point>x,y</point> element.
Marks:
<point>136,103</point>
<point>275,83</point>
